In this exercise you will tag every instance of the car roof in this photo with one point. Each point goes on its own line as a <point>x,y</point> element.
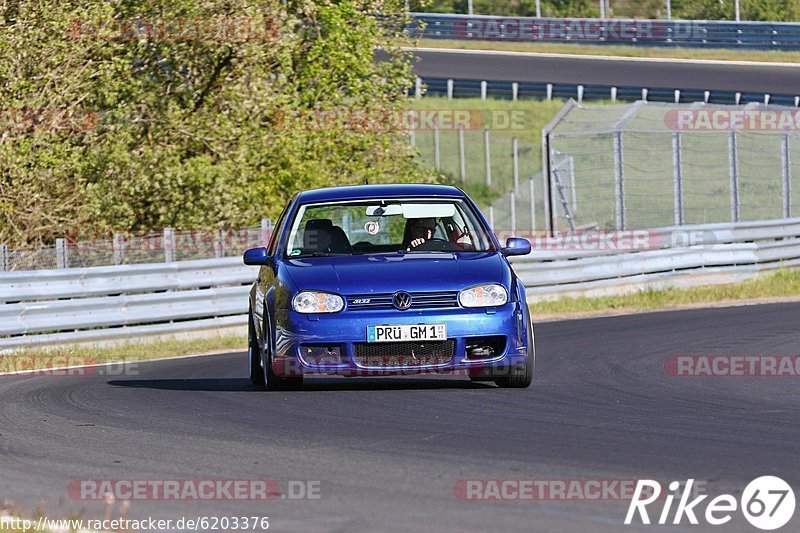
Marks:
<point>359,192</point>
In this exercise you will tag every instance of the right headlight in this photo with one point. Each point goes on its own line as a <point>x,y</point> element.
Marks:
<point>317,302</point>
<point>489,295</point>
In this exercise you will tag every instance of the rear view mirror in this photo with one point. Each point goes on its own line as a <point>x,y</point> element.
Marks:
<point>256,256</point>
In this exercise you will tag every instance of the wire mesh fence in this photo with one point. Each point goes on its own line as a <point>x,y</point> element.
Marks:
<point>652,165</point>
<point>127,248</point>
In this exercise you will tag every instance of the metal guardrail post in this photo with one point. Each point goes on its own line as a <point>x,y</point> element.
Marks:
<point>61,254</point>
<point>117,246</point>
<point>677,173</point>
<point>487,149</point>
<point>491,217</point>
<point>619,182</point>
<point>3,258</point>
<point>786,174</point>
<point>462,167</point>
<point>514,90</point>
<point>733,168</point>
<point>418,87</point>
<point>169,245</point>
<point>484,86</point>
<point>450,89</point>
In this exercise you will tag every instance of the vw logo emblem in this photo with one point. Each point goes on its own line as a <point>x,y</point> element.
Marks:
<point>401,300</point>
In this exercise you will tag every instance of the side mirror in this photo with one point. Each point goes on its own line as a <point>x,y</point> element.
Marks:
<point>517,246</point>
<point>256,256</point>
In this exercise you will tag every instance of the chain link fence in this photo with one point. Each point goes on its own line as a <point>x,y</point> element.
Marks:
<point>651,165</point>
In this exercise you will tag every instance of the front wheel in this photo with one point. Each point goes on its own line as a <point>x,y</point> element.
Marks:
<point>254,354</point>
<point>273,382</point>
<point>521,376</point>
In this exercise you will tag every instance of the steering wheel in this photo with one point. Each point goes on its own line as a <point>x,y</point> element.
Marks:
<point>435,244</point>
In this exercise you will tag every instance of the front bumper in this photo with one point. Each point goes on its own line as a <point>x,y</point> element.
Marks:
<point>344,331</point>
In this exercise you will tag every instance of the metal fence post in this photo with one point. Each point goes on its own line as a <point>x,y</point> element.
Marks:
<point>117,247</point>
<point>513,199</point>
<point>266,231</point>
<point>3,258</point>
<point>733,167</point>
<point>462,160</point>
<point>786,175</point>
<point>515,157</point>
<point>533,205</point>
<point>574,189</point>
<point>219,243</point>
<point>62,261</point>
<point>483,90</point>
<point>412,137</point>
<point>418,88</point>
<point>677,174</point>
<point>619,183</point>
<point>169,245</point>
<point>450,89</point>
<point>491,217</point>
<point>436,155</point>
<point>514,90</point>
<point>488,158</point>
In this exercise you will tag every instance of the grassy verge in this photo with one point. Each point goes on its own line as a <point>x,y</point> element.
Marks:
<point>768,56</point>
<point>780,285</point>
<point>54,357</point>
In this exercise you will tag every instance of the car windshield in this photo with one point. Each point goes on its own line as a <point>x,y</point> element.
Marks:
<point>386,226</point>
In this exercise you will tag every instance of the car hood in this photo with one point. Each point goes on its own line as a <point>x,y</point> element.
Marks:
<point>363,274</point>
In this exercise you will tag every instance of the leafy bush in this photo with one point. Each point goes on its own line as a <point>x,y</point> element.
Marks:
<point>140,115</point>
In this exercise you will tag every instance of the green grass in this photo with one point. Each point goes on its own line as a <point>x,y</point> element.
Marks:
<point>769,56</point>
<point>784,283</point>
<point>51,357</point>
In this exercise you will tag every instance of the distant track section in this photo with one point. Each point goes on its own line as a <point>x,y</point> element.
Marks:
<point>744,77</point>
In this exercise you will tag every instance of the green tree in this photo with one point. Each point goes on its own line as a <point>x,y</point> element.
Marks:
<point>183,112</point>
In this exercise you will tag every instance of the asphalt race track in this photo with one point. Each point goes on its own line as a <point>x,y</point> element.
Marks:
<point>388,452</point>
<point>549,68</point>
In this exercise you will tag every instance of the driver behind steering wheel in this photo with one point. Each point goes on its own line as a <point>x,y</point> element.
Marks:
<point>421,230</point>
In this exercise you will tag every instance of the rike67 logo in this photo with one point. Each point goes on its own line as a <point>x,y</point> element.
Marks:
<point>767,502</point>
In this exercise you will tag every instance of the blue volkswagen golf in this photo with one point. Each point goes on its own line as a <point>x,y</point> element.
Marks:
<point>379,280</point>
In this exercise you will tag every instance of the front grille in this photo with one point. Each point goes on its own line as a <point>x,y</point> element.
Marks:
<point>392,354</point>
<point>419,300</point>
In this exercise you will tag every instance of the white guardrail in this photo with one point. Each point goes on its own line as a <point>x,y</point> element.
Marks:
<point>118,302</point>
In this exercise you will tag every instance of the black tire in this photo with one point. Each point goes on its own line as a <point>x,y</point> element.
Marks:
<point>272,382</point>
<point>521,377</point>
<point>254,354</point>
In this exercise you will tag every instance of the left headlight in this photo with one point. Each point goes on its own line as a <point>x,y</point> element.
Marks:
<point>490,295</point>
<point>317,302</point>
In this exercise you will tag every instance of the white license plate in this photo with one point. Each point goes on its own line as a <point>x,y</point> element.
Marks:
<point>407,332</point>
